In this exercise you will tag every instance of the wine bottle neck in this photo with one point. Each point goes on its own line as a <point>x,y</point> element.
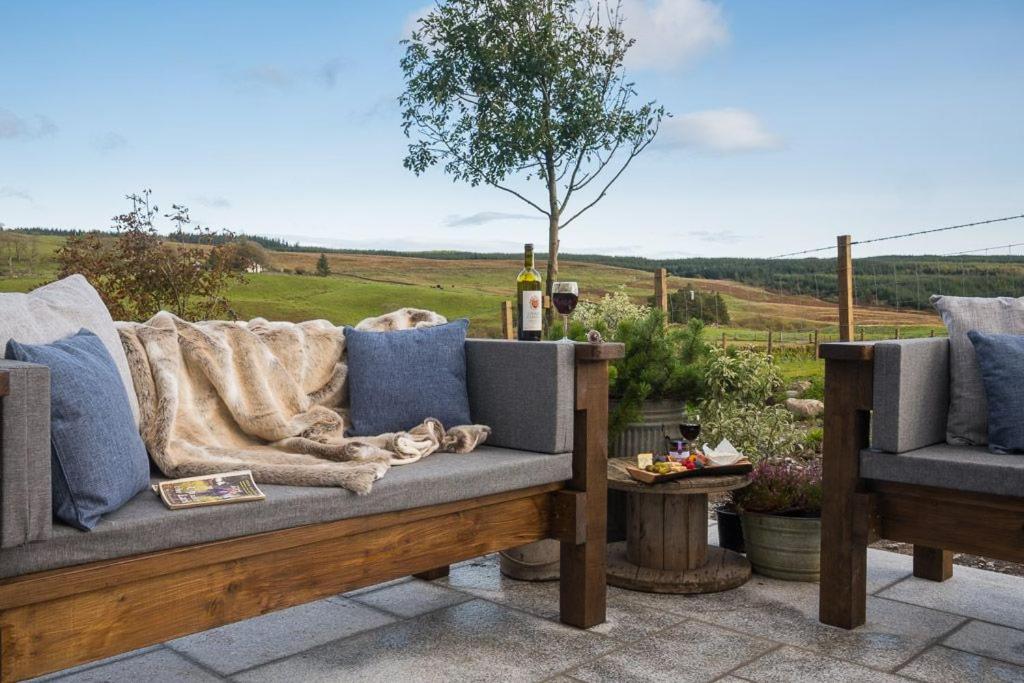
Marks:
<point>528,260</point>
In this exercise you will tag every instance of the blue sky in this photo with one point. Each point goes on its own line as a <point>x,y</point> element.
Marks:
<point>794,122</point>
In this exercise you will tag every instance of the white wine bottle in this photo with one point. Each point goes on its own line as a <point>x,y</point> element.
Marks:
<point>529,299</point>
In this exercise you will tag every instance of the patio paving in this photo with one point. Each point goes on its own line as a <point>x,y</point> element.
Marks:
<point>476,625</point>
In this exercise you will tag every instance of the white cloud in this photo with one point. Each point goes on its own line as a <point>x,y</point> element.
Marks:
<point>717,130</point>
<point>413,19</point>
<point>110,141</point>
<point>13,127</point>
<point>7,192</point>
<point>485,217</point>
<point>213,201</point>
<point>671,33</point>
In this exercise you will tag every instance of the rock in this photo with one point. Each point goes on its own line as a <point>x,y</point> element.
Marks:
<point>792,393</point>
<point>805,407</point>
<point>800,386</point>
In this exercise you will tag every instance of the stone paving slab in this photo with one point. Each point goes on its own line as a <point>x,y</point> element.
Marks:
<point>989,640</point>
<point>473,641</point>
<point>984,595</point>
<point>944,664</point>
<point>689,652</point>
<point>156,665</point>
<point>411,598</point>
<point>791,665</point>
<point>249,643</point>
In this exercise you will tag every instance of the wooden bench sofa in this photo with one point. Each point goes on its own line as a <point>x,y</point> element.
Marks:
<point>888,473</point>
<point>146,574</point>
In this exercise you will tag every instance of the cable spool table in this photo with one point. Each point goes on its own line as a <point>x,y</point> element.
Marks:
<point>666,548</point>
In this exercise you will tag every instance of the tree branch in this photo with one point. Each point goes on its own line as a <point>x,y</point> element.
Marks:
<point>632,155</point>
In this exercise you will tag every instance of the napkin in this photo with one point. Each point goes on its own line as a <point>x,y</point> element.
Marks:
<point>723,454</point>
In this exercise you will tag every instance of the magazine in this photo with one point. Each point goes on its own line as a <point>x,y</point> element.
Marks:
<point>210,489</point>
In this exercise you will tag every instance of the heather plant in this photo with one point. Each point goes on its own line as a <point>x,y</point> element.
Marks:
<point>741,386</point>
<point>782,489</point>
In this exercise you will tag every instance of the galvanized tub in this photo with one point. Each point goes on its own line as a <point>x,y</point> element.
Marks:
<point>537,561</point>
<point>647,435</point>
<point>787,548</point>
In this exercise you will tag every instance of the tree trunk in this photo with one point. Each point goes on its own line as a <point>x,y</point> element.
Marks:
<point>549,313</point>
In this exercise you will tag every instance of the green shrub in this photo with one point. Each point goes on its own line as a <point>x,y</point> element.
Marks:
<point>660,363</point>
<point>741,386</point>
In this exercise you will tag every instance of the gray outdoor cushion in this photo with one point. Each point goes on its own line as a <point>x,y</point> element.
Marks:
<point>57,310</point>
<point>961,468</point>
<point>967,423</point>
<point>25,504</point>
<point>523,391</point>
<point>145,525</point>
<point>911,394</point>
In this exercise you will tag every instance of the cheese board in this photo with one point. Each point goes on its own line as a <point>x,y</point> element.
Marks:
<point>740,467</point>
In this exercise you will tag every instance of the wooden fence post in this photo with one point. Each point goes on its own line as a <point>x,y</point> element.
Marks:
<point>897,332</point>
<point>815,343</point>
<point>661,290</point>
<point>769,342</point>
<point>862,334</point>
<point>844,268</point>
<point>507,331</point>
<point>723,340</point>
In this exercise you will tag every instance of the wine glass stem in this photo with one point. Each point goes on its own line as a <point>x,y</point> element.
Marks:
<point>565,326</point>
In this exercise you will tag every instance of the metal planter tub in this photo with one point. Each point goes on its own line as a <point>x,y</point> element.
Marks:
<point>647,435</point>
<point>787,548</point>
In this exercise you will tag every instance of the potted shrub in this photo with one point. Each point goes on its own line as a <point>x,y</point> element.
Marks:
<point>781,514</point>
<point>650,385</point>
<point>740,390</point>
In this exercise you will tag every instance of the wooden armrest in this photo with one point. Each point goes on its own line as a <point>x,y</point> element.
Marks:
<point>847,351</point>
<point>4,383</point>
<point>603,351</point>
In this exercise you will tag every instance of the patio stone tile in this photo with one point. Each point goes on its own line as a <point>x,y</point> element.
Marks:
<point>790,665</point>
<point>787,612</point>
<point>999,642</point>
<point>411,598</point>
<point>90,665</point>
<point>941,664</point>
<point>886,568</point>
<point>472,641</point>
<point>690,651</point>
<point>977,593</point>
<point>627,619</point>
<point>256,641</point>
<point>375,587</point>
<point>156,666</point>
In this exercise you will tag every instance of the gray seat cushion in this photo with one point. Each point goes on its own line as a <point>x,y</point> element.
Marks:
<point>145,525</point>
<point>961,468</point>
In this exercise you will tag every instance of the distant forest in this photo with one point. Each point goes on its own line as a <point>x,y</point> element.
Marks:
<point>898,281</point>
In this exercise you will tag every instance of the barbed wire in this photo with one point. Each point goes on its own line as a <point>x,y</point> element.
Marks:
<point>978,251</point>
<point>906,234</point>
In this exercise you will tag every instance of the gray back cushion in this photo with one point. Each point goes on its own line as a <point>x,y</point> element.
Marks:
<point>58,310</point>
<point>967,423</point>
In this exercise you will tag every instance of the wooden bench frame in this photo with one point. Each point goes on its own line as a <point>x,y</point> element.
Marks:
<point>56,619</point>
<point>856,511</point>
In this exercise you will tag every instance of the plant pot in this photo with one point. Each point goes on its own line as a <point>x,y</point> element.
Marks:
<point>647,435</point>
<point>537,561</point>
<point>787,548</point>
<point>730,528</point>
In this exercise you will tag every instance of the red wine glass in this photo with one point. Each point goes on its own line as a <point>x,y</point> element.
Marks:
<point>564,297</point>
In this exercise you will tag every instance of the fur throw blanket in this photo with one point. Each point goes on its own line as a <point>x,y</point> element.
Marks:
<point>267,397</point>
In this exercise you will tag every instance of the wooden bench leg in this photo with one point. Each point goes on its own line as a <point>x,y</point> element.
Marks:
<point>934,564</point>
<point>583,590</point>
<point>844,516</point>
<point>435,573</point>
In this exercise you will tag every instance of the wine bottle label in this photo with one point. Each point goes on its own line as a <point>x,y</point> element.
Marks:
<point>532,314</point>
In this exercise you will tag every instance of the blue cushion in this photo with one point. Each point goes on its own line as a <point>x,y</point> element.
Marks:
<point>1001,362</point>
<point>98,459</point>
<point>398,379</point>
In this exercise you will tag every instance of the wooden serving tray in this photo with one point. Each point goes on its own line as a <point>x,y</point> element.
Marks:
<point>741,467</point>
